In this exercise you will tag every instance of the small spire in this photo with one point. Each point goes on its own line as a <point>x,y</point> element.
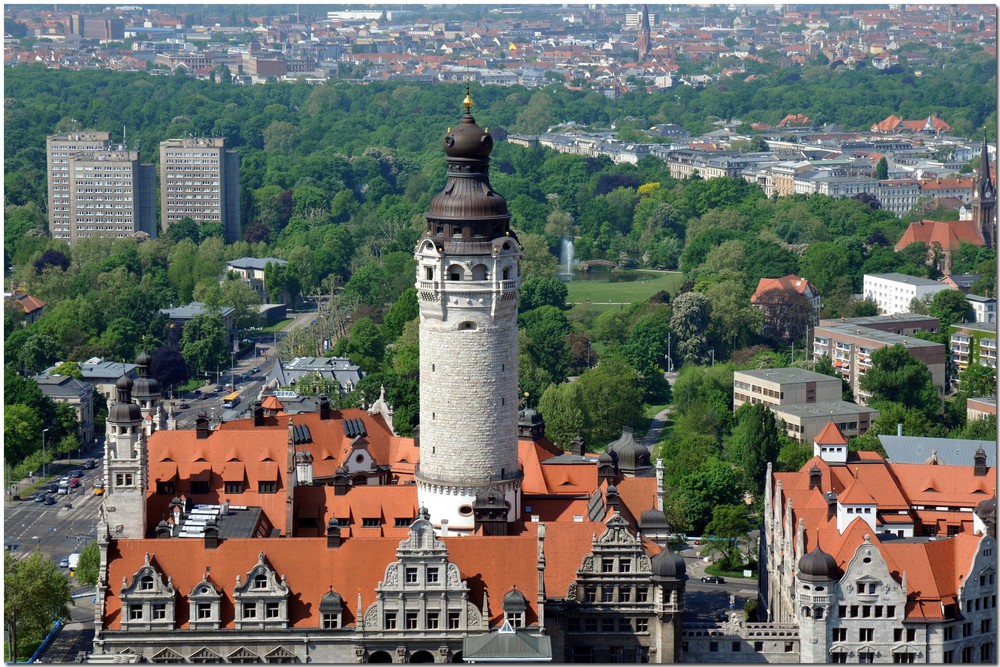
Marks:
<point>467,102</point>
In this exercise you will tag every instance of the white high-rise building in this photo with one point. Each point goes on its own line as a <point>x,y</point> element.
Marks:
<point>468,281</point>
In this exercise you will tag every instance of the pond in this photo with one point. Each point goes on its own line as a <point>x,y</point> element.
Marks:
<point>605,274</point>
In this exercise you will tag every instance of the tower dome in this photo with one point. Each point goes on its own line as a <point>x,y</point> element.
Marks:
<point>145,388</point>
<point>653,519</point>
<point>817,565</point>
<point>668,565</point>
<point>124,383</point>
<point>123,409</point>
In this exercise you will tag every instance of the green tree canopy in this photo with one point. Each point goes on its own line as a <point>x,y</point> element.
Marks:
<point>35,594</point>
<point>204,343</point>
<point>897,377</point>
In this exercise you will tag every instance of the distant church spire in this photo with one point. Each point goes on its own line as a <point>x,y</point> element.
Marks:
<point>643,43</point>
<point>984,199</point>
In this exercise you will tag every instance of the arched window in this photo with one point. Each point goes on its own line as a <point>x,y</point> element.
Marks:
<point>466,326</point>
<point>456,272</point>
<point>479,272</point>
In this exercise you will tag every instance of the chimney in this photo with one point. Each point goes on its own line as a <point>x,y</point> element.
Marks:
<point>444,527</point>
<point>201,428</point>
<point>899,429</point>
<point>831,505</point>
<point>324,407</point>
<point>340,485</point>
<point>211,534</point>
<point>979,470</point>
<point>815,477</point>
<point>416,435</point>
<point>333,539</point>
<point>258,414</point>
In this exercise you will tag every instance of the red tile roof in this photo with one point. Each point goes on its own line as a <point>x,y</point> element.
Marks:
<point>830,435</point>
<point>947,233</point>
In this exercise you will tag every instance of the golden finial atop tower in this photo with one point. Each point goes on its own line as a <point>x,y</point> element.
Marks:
<point>467,102</point>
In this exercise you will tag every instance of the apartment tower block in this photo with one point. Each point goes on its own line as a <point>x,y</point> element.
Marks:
<point>200,179</point>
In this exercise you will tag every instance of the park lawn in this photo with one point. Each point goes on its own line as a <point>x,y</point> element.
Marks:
<point>603,296</point>
<point>277,326</point>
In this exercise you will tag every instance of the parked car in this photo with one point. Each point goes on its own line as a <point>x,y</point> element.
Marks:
<point>49,500</point>
<point>218,387</point>
<point>713,579</point>
<point>64,562</point>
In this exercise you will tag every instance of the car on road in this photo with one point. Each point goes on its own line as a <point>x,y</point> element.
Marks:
<point>713,579</point>
<point>53,488</point>
<point>74,473</point>
<point>39,498</point>
<point>49,500</point>
<point>75,482</point>
<point>99,489</point>
<point>63,490</point>
<point>218,387</point>
<point>184,406</point>
<point>90,465</point>
<point>255,369</point>
<point>64,481</point>
<point>64,562</point>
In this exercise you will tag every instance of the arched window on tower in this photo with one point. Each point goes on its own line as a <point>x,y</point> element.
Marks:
<point>456,272</point>
<point>480,272</point>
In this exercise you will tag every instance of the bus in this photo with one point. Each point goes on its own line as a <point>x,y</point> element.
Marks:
<point>231,401</point>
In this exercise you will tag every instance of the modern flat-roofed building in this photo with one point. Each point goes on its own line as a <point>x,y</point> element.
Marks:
<point>904,324</point>
<point>985,307</point>
<point>58,148</point>
<point>893,292</point>
<point>804,421</point>
<point>980,407</point>
<point>973,344</point>
<point>200,179</point>
<point>850,348</point>
<point>784,386</point>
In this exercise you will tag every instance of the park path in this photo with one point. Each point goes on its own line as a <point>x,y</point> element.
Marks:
<point>656,427</point>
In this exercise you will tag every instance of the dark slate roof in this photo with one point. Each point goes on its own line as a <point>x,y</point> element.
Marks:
<point>258,263</point>
<point>950,452</point>
<point>507,645</point>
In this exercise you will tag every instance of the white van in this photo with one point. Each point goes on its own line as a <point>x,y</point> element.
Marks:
<point>74,560</point>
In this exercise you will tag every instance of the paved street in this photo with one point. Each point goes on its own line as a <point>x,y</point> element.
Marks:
<point>703,600</point>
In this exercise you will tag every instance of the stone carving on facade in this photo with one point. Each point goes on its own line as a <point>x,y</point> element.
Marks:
<point>371,618</point>
<point>475,616</point>
<point>454,579</point>
<point>645,565</point>
<point>588,564</point>
<point>391,576</point>
<point>571,591</point>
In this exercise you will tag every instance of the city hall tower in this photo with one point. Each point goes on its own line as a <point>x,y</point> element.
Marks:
<point>468,280</point>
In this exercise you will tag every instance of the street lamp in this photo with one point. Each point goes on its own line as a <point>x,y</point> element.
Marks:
<point>712,352</point>
<point>44,431</point>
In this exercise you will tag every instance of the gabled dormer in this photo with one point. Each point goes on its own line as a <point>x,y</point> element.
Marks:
<point>148,603</point>
<point>262,599</point>
<point>831,445</point>
<point>204,605</point>
<point>856,502</point>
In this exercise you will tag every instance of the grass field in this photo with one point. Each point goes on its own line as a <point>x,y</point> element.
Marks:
<point>603,295</point>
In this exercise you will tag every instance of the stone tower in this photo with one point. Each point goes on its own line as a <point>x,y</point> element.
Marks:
<point>125,466</point>
<point>146,392</point>
<point>816,594</point>
<point>468,281</point>
<point>984,200</point>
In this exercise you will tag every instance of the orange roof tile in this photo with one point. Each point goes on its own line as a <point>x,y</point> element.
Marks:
<point>830,435</point>
<point>946,233</point>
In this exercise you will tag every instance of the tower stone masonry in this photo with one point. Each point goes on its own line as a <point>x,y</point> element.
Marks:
<point>468,281</point>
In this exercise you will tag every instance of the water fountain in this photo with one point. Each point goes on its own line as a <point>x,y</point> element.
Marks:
<point>566,257</point>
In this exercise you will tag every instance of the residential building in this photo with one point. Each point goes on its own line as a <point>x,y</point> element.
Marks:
<point>877,561</point>
<point>103,28</point>
<point>181,315</point>
<point>775,297</point>
<point>973,344</point>
<point>894,292</point>
<point>805,421</point>
<point>200,179</point>
<point>904,324</point>
<point>898,195</point>
<point>963,282</point>
<point>327,538</point>
<point>31,307</point>
<point>77,394</point>
<point>102,375</point>
<point>251,270</point>
<point>985,307</point>
<point>980,407</point>
<point>97,189</point>
<point>339,372</point>
<point>850,348</point>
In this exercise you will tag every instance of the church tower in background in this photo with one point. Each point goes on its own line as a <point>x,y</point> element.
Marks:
<point>984,199</point>
<point>644,41</point>
<point>468,281</point>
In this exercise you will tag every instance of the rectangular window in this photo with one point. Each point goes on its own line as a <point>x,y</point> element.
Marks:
<point>234,487</point>
<point>250,610</point>
<point>866,634</point>
<point>897,635</point>
<point>454,620</point>
<point>433,620</point>
<point>984,626</point>
<point>903,658</point>
<point>432,575</point>
<point>949,657</point>
<point>967,629</point>
<point>866,657</point>
<point>590,594</point>
<point>267,487</point>
<point>607,565</point>
<point>590,624</point>
<point>390,620</point>
<point>842,610</point>
<point>607,624</point>
<point>123,479</point>
<point>411,575</point>
<point>331,621</point>
<point>840,634</point>
<point>624,594</point>
<point>159,612</point>
<point>758,647</point>
<point>272,610</point>
<point>854,611</point>
<point>204,611</point>
<point>713,647</point>
<point>135,612</point>
<point>411,620</point>
<point>164,488</point>
<point>986,653</point>
<point>949,633</point>
<point>371,523</point>
<point>607,594</point>
<point>839,658</point>
<point>736,647</point>
<point>625,565</point>
<point>890,611</point>
<point>642,625</point>
<point>642,595</point>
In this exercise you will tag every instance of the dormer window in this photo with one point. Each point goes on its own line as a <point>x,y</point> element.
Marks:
<point>146,583</point>
<point>260,582</point>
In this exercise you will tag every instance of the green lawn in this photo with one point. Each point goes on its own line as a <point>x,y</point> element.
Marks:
<point>601,295</point>
<point>278,326</point>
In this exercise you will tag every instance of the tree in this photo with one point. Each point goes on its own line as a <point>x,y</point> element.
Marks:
<point>611,398</point>
<point>245,302</point>
<point>689,320</point>
<point>185,228</point>
<point>68,369</point>
<point>35,594</point>
<point>539,290</point>
<point>536,258</point>
<point>560,406</point>
<point>204,343</point>
<point>978,380</point>
<point>882,169</point>
<point>404,310</point>
<point>729,525</point>
<point>168,367</point>
<point>897,377</point>
<point>755,443</point>
<point>22,432</point>
<point>51,257</point>
<point>787,314</point>
<point>545,330</point>
<point>951,307</point>
<point>695,496</point>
